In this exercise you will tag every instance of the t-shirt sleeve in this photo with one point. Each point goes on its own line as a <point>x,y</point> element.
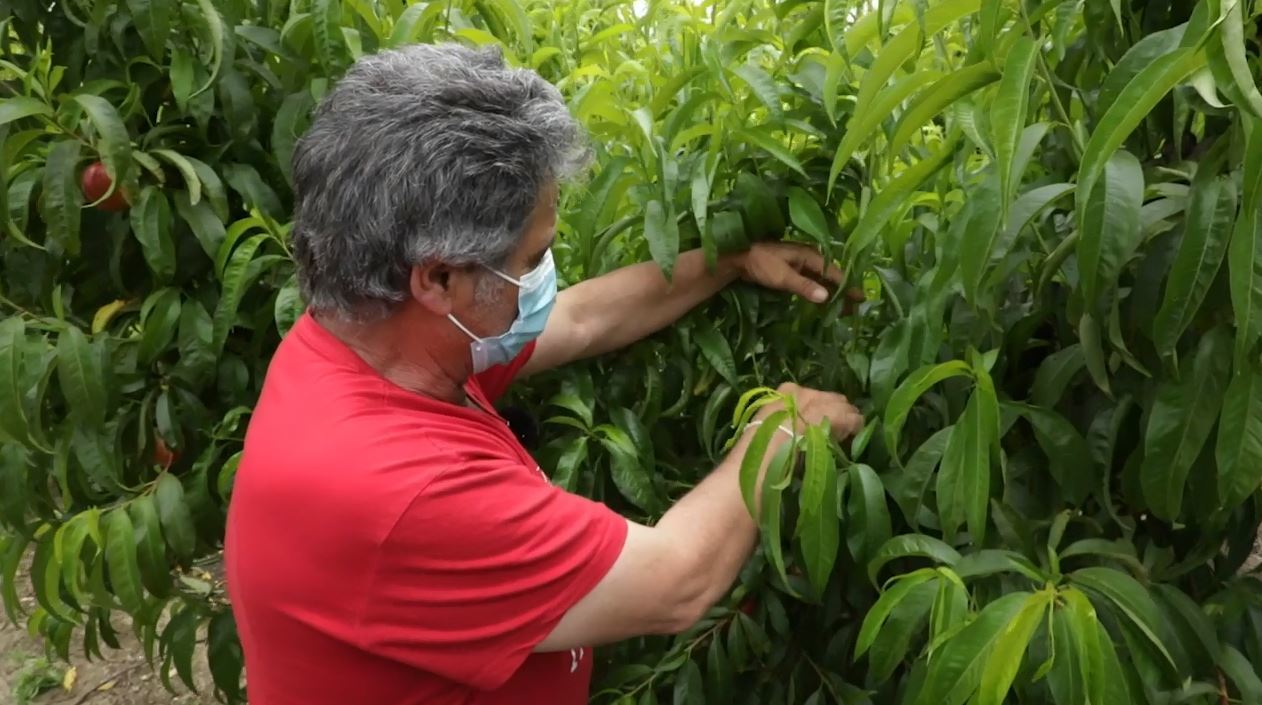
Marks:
<point>495,380</point>
<point>480,569</point>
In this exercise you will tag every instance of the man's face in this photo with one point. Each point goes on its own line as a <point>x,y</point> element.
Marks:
<point>496,300</point>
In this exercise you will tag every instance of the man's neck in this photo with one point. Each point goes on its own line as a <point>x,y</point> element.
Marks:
<point>398,358</point>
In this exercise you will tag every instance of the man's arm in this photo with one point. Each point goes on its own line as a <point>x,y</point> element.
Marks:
<point>669,575</point>
<point>612,311</point>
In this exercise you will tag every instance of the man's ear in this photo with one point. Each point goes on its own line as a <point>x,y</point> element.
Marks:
<point>430,285</point>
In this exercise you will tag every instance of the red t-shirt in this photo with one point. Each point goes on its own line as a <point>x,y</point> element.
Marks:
<point>387,548</point>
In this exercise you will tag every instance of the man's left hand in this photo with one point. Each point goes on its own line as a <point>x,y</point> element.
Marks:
<point>792,267</point>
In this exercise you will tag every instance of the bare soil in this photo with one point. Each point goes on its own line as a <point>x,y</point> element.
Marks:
<point>121,677</point>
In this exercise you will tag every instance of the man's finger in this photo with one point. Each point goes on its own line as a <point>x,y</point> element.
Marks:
<point>805,287</point>
<point>805,257</point>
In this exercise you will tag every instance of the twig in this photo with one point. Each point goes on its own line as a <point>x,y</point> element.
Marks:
<point>97,688</point>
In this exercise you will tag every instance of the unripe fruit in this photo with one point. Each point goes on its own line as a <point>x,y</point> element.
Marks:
<point>95,183</point>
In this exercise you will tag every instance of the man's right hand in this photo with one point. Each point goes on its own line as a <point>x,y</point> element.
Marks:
<point>813,406</point>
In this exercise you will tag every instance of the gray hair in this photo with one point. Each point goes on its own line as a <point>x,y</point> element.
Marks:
<point>424,153</point>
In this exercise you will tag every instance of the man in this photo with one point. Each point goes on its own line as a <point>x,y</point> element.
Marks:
<point>389,540</point>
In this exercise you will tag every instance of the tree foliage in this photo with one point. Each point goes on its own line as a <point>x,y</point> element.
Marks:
<point>1054,210</point>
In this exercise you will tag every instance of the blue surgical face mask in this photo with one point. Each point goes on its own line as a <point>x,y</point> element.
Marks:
<point>537,293</point>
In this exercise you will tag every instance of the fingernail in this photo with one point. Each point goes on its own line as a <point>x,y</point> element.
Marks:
<point>819,295</point>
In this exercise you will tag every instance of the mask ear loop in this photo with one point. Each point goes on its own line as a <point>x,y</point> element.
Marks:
<point>461,326</point>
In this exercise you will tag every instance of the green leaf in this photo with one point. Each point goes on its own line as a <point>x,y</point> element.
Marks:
<point>151,223</point>
<point>1182,416</point>
<point>1243,674</point>
<point>177,520</point>
<point>979,238</point>
<point>628,473</point>
<point>182,72</point>
<point>716,350</point>
<point>1133,104</point>
<point>956,670</point>
<point>1067,452</point>
<point>963,488</point>
<point>62,197</point>
<point>1239,447</point>
<point>808,217</point>
<point>874,623</point>
<point>906,619</point>
<point>120,558</point>
<point>114,143</point>
<point>1140,56</point>
<point>158,325</point>
<point>13,418</point>
<point>763,217</point>
<point>1244,258</point>
<point>1206,233</point>
<point>1093,351</point>
<point>1023,212</point>
<point>289,305</point>
<point>218,39</point>
<point>755,452</point>
<point>1055,374</point>
<point>991,561</point>
<point>1227,53</point>
<point>1008,112</point>
<point>153,21</point>
<point>772,146</point>
<point>894,197</point>
<point>1110,229</point>
<point>212,186</point>
<point>1192,625</point>
<point>46,580</point>
<point>779,472</point>
<point>155,575</point>
<point>1130,598</point>
<point>82,376</point>
<point>234,286</point>
<point>1005,658</point>
<point>325,30</point>
<point>291,121</point>
<point>904,45</point>
<point>15,108</point>
<point>189,173</point>
<point>68,551</point>
<point>911,545</point>
<point>938,97</point>
<point>908,487</point>
<point>762,85</point>
<point>223,653</point>
<point>869,516</point>
<point>179,640</point>
<point>688,686</point>
<point>201,219</point>
<point>719,675</point>
<point>862,128</point>
<point>905,396</point>
<point>662,232</point>
<point>12,551</point>
<point>406,26</point>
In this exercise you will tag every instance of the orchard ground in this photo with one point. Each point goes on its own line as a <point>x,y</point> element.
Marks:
<point>123,677</point>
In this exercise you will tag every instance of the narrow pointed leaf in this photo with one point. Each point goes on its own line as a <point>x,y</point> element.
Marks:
<point>1239,447</point>
<point>1110,230</point>
<point>1008,112</point>
<point>1182,417</point>
<point>1134,103</point>
<point>1206,233</point>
